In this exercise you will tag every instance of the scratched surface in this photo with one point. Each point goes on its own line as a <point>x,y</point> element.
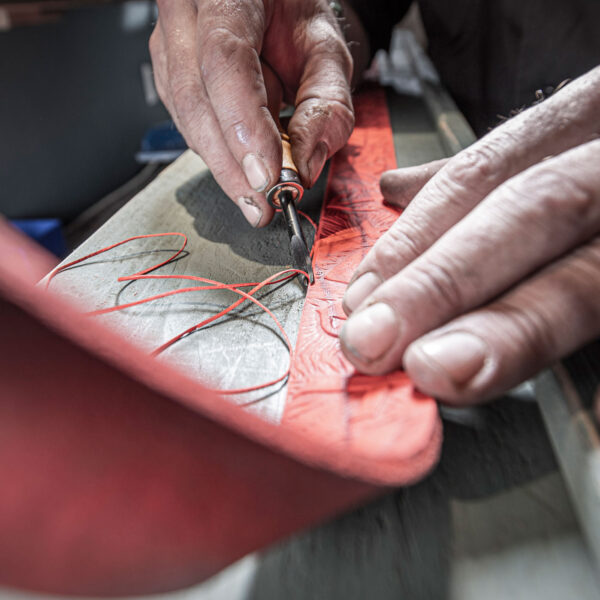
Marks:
<point>243,348</point>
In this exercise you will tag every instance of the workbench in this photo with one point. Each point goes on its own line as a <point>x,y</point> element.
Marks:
<point>494,520</point>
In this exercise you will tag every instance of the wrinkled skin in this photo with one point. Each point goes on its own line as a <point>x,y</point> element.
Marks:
<point>220,65</point>
<point>493,270</point>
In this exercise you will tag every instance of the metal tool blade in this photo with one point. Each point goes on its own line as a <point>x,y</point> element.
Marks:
<point>298,247</point>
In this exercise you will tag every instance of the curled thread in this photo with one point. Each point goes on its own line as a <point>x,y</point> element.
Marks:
<point>209,284</point>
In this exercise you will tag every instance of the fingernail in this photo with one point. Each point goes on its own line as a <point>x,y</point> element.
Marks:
<point>460,355</point>
<point>251,210</point>
<point>316,162</point>
<point>370,333</point>
<point>358,290</point>
<point>256,172</point>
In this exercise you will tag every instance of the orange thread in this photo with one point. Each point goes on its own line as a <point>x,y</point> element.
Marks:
<point>131,239</point>
<point>280,277</point>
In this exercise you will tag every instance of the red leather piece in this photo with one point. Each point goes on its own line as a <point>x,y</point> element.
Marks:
<point>119,474</point>
<point>122,476</point>
<point>390,430</point>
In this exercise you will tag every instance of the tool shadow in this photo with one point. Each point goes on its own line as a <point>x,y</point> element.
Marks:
<point>217,219</point>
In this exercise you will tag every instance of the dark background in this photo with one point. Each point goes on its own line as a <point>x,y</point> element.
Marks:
<point>72,108</point>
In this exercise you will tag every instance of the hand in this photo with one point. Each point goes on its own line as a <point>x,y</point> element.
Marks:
<point>207,65</point>
<point>493,270</point>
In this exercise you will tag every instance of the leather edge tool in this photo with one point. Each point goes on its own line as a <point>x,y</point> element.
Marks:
<point>286,194</point>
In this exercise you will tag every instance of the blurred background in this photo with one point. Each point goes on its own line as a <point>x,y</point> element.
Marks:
<point>82,127</point>
<point>77,98</point>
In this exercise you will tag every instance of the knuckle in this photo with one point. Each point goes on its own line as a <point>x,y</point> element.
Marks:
<point>555,192</point>
<point>440,285</point>
<point>577,201</point>
<point>227,58</point>
<point>483,164</point>
<point>219,47</point>
<point>185,98</point>
<point>399,246</point>
<point>533,329</point>
<point>561,116</point>
<point>474,164</point>
<point>323,36</point>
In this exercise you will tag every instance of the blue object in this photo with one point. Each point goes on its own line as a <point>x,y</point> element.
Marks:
<point>161,143</point>
<point>46,232</point>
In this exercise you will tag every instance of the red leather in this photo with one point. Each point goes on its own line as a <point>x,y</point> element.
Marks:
<point>387,428</point>
<point>122,476</point>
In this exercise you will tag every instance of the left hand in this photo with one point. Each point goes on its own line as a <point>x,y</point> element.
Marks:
<point>493,270</point>
<point>210,62</point>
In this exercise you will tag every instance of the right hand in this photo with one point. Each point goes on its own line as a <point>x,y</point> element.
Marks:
<point>207,65</point>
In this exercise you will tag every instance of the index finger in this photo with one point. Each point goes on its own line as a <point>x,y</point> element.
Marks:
<point>228,55</point>
<point>185,96</point>
<point>558,124</point>
<point>324,115</point>
<point>525,224</point>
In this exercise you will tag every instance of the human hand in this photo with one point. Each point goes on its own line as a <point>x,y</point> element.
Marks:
<point>493,270</point>
<point>207,65</point>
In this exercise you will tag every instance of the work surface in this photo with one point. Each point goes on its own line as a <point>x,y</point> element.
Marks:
<point>241,349</point>
<point>494,519</point>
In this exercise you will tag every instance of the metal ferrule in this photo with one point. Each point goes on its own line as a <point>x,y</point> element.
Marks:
<point>288,182</point>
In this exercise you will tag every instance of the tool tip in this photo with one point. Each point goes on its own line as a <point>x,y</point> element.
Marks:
<point>301,257</point>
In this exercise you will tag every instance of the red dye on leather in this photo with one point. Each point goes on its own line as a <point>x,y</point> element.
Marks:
<point>385,424</point>
<point>121,475</point>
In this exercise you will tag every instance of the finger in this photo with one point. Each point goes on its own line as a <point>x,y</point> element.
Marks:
<point>324,116</point>
<point>530,220</point>
<point>565,120</point>
<point>484,353</point>
<point>400,186</point>
<point>228,54</point>
<point>194,115</point>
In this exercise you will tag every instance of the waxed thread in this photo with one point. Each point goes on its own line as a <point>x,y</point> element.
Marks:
<point>280,277</point>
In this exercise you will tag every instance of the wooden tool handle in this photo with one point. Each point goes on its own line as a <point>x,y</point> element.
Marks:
<point>289,178</point>
<point>287,160</point>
